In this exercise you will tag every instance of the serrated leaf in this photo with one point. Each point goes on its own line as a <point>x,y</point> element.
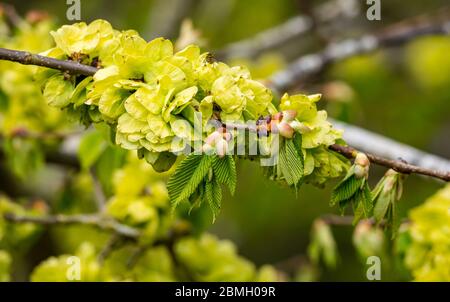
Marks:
<point>213,195</point>
<point>187,177</point>
<point>394,221</point>
<point>291,162</point>
<point>366,199</point>
<point>346,189</point>
<point>225,172</point>
<point>362,202</point>
<point>381,207</point>
<point>295,157</point>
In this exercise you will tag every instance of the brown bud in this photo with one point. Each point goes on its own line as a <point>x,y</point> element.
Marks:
<point>285,130</point>
<point>361,171</point>
<point>227,136</point>
<point>277,116</point>
<point>289,115</point>
<point>362,160</point>
<point>221,148</point>
<point>213,138</point>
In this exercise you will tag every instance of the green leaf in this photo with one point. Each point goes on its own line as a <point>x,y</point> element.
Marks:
<point>187,177</point>
<point>382,203</point>
<point>225,171</point>
<point>91,147</point>
<point>362,203</point>
<point>367,199</point>
<point>291,161</point>
<point>394,221</point>
<point>213,195</point>
<point>346,189</point>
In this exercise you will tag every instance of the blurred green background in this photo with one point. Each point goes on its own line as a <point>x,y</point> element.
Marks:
<point>402,93</point>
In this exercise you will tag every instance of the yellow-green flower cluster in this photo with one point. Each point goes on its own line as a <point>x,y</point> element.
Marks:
<point>148,90</point>
<point>195,259</point>
<point>317,135</point>
<point>21,103</point>
<point>140,199</point>
<point>209,259</point>
<point>428,256</point>
<point>18,237</point>
<point>152,97</point>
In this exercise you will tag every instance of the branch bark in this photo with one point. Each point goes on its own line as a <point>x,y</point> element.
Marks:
<point>293,28</point>
<point>350,152</point>
<point>100,222</point>
<point>337,220</point>
<point>397,165</point>
<point>311,64</point>
<point>27,58</point>
<point>384,147</point>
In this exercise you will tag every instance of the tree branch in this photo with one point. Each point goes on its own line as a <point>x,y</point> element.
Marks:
<point>100,197</point>
<point>291,29</point>
<point>100,222</point>
<point>301,68</point>
<point>397,165</point>
<point>338,220</point>
<point>374,143</point>
<point>349,152</point>
<point>311,64</point>
<point>27,58</point>
<point>10,12</point>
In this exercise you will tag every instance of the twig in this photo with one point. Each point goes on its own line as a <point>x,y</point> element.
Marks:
<point>337,220</point>
<point>100,197</point>
<point>311,64</point>
<point>113,243</point>
<point>349,152</point>
<point>382,146</point>
<point>397,165</point>
<point>27,58</point>
<point>25,133</point>
<point>289,30</point>
<point>11,14</point>
<point>100,222</point>
<point>166,16</point>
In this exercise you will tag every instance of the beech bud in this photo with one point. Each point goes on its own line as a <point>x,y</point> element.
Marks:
<point>285,130</point>
<point>277,116</point>
<point>228,136</point>
<point>300,127</point>
<point>262,129</point>
<point>289,115</point>
<point>213,138</point>
<point>362,160</point>
<point>361,171</point>
<point>221,148</point>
